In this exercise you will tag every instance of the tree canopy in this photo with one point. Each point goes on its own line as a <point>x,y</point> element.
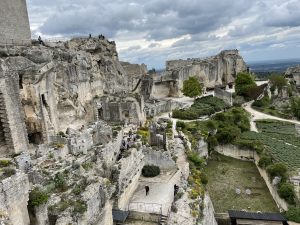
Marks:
<point>243,83</point>
<point>192,87</point>
<point>278,81</point>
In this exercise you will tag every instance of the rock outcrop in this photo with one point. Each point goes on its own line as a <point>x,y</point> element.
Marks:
<point>218,70</point>
<point>293,74</point>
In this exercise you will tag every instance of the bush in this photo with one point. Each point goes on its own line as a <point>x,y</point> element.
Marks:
<point>5,163</point>
<point>204,179</point>
<point>227,134</point>
<point>264,102</point>
<point>60,182</point>
<point>195,159</point>
<point>293,214</point>
<point>264,161</point>
<point>150,171</point>
<point>192,87</point>
<point>180,124</point>
<point>79,207</point>
<point>37,197</point>
<point>287,192</point>
<point>8,172</point>
<point>277,169</point>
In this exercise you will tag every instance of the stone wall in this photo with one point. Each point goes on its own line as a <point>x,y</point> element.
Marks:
<point>224,95</point>
<point>160,106</point>
<point>208,212</point>
<point>161,159</point>
<point>13,134</point>
<point>14,22</point>
<point>14,197</point>
<point>130,171</point>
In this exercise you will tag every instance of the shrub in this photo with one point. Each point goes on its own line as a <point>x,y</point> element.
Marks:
<point>8,172</point>
<point>180,124</point>
<point>293,214</point>
<point>79,207</point>
<point>37,197</point>
<point>5,163</point>
<point>287,192</point>
<point>60,182</point>
<point>195,159</point>
<point>204,179</point>
<point>212,142</point>
<point>227,134</point>
<point>265,161</point>
<point>277,169</point>
<point>150,171</point>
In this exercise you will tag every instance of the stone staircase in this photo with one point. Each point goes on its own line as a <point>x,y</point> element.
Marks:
<point>163,220</point>
<point>5,132</point>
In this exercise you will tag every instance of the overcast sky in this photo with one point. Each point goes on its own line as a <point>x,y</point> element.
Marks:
<point>153,31</point>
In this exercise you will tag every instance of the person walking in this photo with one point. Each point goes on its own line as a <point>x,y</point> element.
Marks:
<point>147,190</point>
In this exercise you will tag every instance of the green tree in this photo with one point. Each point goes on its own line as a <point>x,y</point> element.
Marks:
<point>277,169</point>
<point>192,87</point>
<point>278,81</point>
<point>295,106</point>
<point>287,192</point>
<point>243,83</point>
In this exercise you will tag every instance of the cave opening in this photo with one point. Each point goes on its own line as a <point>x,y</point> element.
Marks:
<point>35,138</point>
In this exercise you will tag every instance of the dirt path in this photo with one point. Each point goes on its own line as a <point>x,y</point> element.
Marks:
<point>256,115</point>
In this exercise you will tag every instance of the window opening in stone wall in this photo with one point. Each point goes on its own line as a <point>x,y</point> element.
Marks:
<point>21,81</point>
<point>100,113</point>
<point>35,138</point>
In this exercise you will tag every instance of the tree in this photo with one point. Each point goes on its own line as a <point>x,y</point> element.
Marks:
<point>277,169</point>
<point>243,83</point>
<point>295,106</point>
<point>192,87</point>
<point>278,81</point>
<point>287,192</point>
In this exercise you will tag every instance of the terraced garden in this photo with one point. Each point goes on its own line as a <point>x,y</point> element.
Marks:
<point>280,139</point>
<point>202,106</point>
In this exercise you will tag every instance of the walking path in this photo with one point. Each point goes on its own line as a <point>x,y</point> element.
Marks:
<point>256,115</point>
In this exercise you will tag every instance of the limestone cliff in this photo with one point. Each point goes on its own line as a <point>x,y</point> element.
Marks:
<point>58,82</point>
<point>213,71</point>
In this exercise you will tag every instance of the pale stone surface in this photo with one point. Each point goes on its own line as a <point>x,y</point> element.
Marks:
<point>14,22</point>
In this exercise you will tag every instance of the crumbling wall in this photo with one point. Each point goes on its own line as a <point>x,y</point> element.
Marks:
<point>13,132</point>
<point>130,171</point>
<point>161,159</point>
<point>224,95</point>
<point>14,197</point>
<point>214,71</point>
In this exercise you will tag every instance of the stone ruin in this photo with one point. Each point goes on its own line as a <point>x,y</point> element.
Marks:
<point>219,70</point>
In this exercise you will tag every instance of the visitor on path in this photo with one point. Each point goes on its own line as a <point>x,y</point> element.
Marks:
<point>176,188</point>
<point>147,190</point>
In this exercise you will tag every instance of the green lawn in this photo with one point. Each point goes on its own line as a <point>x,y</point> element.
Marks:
<point>225,174</point>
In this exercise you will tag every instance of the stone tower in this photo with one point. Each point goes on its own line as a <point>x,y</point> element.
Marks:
<point>14,22</point>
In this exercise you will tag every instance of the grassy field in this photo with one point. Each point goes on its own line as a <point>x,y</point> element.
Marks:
<point>225,174</point>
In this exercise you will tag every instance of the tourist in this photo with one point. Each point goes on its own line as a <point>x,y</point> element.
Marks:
<point>176,188</point>
<point>147,190</point>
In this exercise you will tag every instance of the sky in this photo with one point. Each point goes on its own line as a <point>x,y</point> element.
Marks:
<point>153,31</point>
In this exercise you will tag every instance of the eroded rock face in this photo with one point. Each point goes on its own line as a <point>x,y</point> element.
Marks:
<point>293,73</point>
<point>58,83</point>
<point>214,71</point>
